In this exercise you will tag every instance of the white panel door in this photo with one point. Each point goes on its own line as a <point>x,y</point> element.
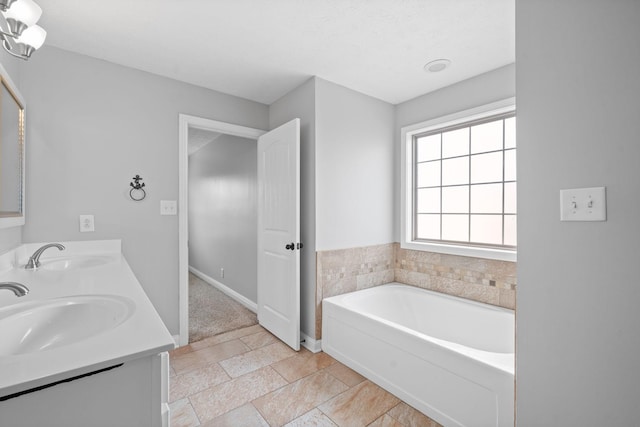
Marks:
<point>279,232</point>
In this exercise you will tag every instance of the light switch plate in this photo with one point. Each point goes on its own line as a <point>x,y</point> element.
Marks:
<point>168,207</point>
<point>583,204</point>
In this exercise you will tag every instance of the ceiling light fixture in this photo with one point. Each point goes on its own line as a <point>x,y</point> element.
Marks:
<point>18,30</point>
<point>437,65</point>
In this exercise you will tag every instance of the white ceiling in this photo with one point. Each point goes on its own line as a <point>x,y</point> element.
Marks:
<point>261,49</point>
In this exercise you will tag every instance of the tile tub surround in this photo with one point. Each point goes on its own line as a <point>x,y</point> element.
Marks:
<point>347,270</point>
<point>277,387</point>
<point>478,279</point>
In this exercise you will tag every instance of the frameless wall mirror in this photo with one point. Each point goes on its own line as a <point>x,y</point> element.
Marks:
<point>12,154</point>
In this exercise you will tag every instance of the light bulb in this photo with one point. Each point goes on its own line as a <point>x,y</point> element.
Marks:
<point>5,4</point>
<point>33,36</point>
<point>24,11</point>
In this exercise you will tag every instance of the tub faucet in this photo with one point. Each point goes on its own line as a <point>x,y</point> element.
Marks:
<point>34,260</point>
<point>18,288</point>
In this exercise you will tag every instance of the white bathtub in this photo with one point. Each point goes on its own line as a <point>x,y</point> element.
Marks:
<point>451,358</point>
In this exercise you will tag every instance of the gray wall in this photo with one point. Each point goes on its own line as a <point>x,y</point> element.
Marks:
<point>223,204</point>
<point>93,125</point>
<point>578,288</point>
<point>480,90</point>
<point>12,236</point>
<point>354,168</point>
<point>300,103</point>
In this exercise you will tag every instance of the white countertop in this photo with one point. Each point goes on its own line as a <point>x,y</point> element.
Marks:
<point>142,334</point>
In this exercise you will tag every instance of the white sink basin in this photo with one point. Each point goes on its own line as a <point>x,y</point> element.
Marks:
<point>77,262</point>
<point>47,324</point>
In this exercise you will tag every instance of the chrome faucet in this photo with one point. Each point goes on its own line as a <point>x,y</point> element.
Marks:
<point>34,260</point>
<point>18,288</point>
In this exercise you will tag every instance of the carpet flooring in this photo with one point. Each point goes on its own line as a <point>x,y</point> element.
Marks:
<point>211,312</point>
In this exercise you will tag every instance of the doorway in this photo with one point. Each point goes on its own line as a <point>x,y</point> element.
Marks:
<point>196,124</point>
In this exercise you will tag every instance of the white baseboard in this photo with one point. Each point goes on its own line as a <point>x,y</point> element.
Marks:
<point>226,290</point>
<point>314,346</point>
<point>176,339</point>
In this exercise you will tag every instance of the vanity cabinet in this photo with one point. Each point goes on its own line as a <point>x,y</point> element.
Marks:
<point>132,394</point>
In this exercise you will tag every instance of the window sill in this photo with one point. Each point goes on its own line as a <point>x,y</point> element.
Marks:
<point>467,251</point>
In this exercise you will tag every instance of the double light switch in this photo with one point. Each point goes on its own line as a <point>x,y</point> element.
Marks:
<point>583,204</point>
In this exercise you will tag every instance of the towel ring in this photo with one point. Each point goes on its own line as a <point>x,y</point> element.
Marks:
<point>137,189</point>
<point>137,193</point>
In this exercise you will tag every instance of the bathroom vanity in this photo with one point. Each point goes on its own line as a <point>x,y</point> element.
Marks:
<point>85,346</point>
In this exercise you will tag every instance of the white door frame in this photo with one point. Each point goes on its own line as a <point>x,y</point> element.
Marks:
<point>186,122</point>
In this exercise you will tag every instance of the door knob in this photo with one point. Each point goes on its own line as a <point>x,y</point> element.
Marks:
<point>290,246</point>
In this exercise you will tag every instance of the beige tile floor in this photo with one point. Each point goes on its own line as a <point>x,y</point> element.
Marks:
<point>249,378</point>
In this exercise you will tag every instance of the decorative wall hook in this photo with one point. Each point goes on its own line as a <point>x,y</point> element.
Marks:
<point>137,192</point>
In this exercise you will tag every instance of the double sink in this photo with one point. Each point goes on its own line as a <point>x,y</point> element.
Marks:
<point>82,310</point>
<point>44,324</point>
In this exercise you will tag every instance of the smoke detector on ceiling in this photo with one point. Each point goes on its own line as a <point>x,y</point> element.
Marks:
<point>437,65</point>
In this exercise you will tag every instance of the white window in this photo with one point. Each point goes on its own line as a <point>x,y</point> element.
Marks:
<point>459,183</point>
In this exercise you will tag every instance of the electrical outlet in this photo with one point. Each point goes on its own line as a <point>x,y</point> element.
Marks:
<point>168,207</point>
<point>222,272</point>
<point>86,223</point>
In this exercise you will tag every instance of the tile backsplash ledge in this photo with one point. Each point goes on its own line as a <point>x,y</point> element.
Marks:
<point>346,270</point>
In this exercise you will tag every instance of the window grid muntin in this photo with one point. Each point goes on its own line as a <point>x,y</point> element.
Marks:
<point>503,117</point>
